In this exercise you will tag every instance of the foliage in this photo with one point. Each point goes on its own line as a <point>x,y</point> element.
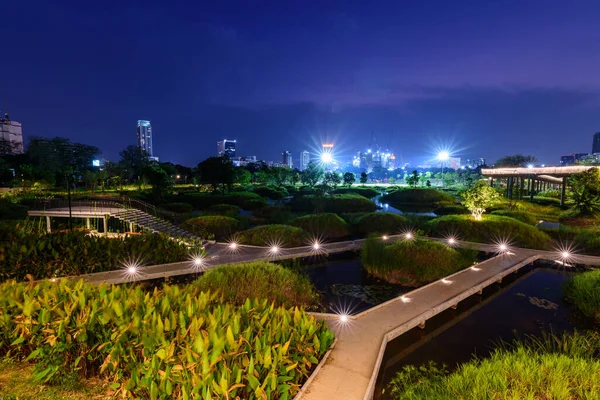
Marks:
<point>349,179</point>
<point>271,192</point>
<point>9,210</point>
<point>253,204</point>
<point>200,201</point>
<point>173,343</point>
<point>338,203</point>
<point>552,368</point>
<point>364,178</point>
<point>312,174</point>
<point>517,160</point>
<point>228,210</point>
<point>555,194</point>
<point>367,192</point>
<point>417,196</point>
<point>583,290</point>
<point>522,216</point>
<point>413,179</point>
<point>451,209</point>
<point>161,182</point>
<point>490,229</point>
<point>332,179</point>
<point>267,235</point>
<point>326,225</point>
<point>413,262</point>
<point>479,198</point>
<point>218,225</point>
<point>381,222</point>
<point>260,280</point>
<point>585,191</point>
<point>75,253</point>
<point>135,161</point>
<point>273,214</point>
<point>179,208</point>
<point>217,172</point>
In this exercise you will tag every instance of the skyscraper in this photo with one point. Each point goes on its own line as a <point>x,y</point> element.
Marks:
<point>226,147</point>
<point>596,143</point>
<point>11,136</point>
<point>144,137</point>
<point>304,160</point>
<point>287,159</point>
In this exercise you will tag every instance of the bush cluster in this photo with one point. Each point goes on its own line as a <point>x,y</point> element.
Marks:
<point>201,201</point>
<point>325,225</point>
<point>335,203</point>
<point>227,210</point>
<point>418,196</point>
<point>273,214</point>
<point>490,229</point>
<point>522,216</point>
<point>276,234</point>
<point>271,192</point>
<point>380,222</point>
<point>583,290</point>
<point>218,225</point>
<point>451,210</point>
<point>12,211</point>
<point>362,191</point>
<point>179,208</point>
<point>76,253</point>
<point>173,343</point>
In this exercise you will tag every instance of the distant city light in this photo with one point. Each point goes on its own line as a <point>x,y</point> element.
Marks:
<point>443,155</point>
<point>95,163</point>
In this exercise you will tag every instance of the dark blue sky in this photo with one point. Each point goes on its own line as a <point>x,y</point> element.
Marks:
<point>488,77</point>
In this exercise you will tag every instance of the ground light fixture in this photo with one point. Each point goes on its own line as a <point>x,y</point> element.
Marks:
<point>405,299</point>
<point>475,268</point>
<point>384,237</point>
<point>316,246</point>
<point>409,235</point>
<point>233,245</point>
<point>343,318</point>
<point>446,281</point>
<point>274,249</point>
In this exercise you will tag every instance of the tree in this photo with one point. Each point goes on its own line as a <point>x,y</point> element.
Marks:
<point>159,179</point>
<point>349,179</point>
<point>479,198</point>
<point>216,171</point>
<point>312,174</point>
<point>294,177</point>
<point>91,180</point>
<point>333,178</point>
<point>517,160</point>
<point>585,191</point>
<point>364,177</point>
<point>413,180</point>
<point>241,176</point>
<point>134,162</point>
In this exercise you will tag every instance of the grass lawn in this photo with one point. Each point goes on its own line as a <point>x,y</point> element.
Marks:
<point>16,382</point>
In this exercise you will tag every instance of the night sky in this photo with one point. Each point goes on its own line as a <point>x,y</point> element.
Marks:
<point>487,78</point>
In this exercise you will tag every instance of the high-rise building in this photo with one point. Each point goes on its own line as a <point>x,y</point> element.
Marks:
<point>454,163</point>
<point>473,163</point>
<point>11,136</point>
<point>144,138</point>
<point>287,159</point>
<point>226,147</point>
<point>596,143</point>
<point>304,160</point>
<point>567,160</point>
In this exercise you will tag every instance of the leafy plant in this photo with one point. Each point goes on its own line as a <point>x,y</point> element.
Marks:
<point>227,210</point>
<point>325,225</point>
<point>276,234</point>
<point>220,226</point>
<point>583,290</point>
<point>480,197</point>
<point>380,222</point>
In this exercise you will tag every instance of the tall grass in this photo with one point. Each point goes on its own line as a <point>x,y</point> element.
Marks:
<point>555,368</point>
<point>276,234</point>
<point>583,291</point>
<point>326,225</point>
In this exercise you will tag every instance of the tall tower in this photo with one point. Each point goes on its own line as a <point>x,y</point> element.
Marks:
<point>304,160</point>
<point>226,147</point>
<point>287,159</point>
<point>11,136</point>
<point>144,137</point>
<point>596,143</point>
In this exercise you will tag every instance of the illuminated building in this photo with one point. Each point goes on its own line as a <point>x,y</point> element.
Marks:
<point>226,147</point>
<point>11,134</point>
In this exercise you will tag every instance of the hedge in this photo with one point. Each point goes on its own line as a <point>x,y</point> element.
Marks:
<point>522,216</point>
<point>227,210</point>
<point>336,203</point>
<point>489,230</point>
<point>322,225</point>
<point>381,222</point>
<point>201,201</point>
<point>273,214</point>
<point>271,192</point>
<point>179,208</point>
<point>280,235</point>
<point>418,196</point>
<point>220,226</point>
<point>365,192</point>
<point>451,210</point>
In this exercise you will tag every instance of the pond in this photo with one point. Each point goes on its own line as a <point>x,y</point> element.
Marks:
<point>403,209</point>
<point>528,303</point>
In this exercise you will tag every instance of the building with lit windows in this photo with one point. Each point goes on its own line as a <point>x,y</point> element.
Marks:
<point>596,144</point>
<point>144,138</point>
<point>226,147</point>
<point>287,159</point>
<point>304,160</point>
<point>11,136</point>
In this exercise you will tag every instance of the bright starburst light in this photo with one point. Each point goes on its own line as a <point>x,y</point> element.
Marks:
<point>443,155</point>
<point>131,269</point>
<point>326,157</point>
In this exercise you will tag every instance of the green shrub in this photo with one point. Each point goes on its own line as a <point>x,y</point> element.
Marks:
<point>336,203</point>
<point>220,226</point>
<point>12,211</point>
<point>522,216</point>
<point>273,214</point>
<point>583,290</point>
<point>369,193</point>
<point>280,235</point>
<point>271,192</point>
<point>556,368</point>
<point>261,280</point>
<point>555,194</point>
<point>381,222</point>
<point>451,210</point>
<point>254,204</point>
<point>75,253</point>
<point>322,225</point>
<point>227,210</point>
<point>418,196</point>
<point>413,262</point>
<point>490,229</point>
<point>179,208</point>
<point>201,201</point>
<point>173,343</point>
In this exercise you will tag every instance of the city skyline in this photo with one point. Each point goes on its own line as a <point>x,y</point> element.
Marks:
<point>480,81</point>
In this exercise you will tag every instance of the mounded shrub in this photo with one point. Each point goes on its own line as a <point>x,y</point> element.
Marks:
<point>271,192</point>
<point>201,201</point>
<point>280,235</point>
<point>273,214</point>
<point>227,210</point>
<point>325,225</point>
<point>157,345</point>
<point>381,222</point>
<point>336,203</point>
<point>76,253</point>
<point>253,204</point>
<point>583,290</point>
<point>418,196</point>
<point>490,229</point>
<point>260,280</point>
<point>179,208</point>
<point>365,192</point>
<point>522,216</point>
<point>218,225</point>
<point>413,262</point>
<point>451,210</point>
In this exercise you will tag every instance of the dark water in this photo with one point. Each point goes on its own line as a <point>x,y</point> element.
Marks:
<point>403,209</point>
<point>528,303</point>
